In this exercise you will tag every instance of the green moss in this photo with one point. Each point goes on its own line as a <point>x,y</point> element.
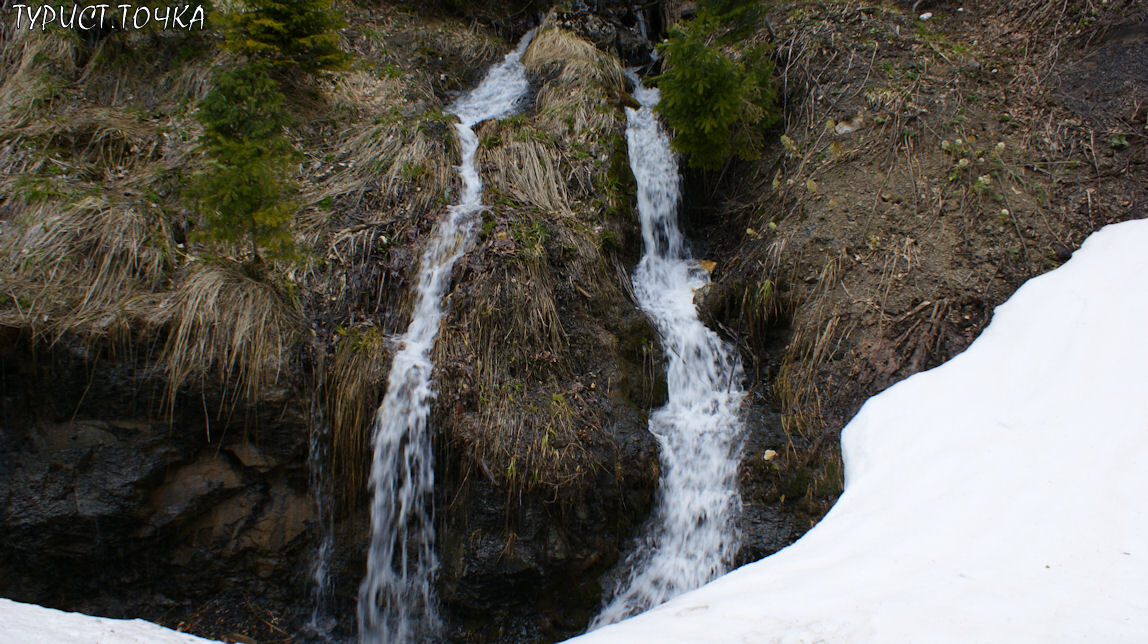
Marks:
<point>617,182</point>
<point>532,235</point>
<point>643,375</point>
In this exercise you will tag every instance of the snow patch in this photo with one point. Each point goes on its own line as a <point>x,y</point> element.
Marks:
<point>30,624</point>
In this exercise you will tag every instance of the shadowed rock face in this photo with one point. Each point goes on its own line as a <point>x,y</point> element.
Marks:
<point>110,507</point>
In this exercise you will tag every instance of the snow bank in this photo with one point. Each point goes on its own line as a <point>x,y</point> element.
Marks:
<point>29,624</point>
<point>1001,497</point>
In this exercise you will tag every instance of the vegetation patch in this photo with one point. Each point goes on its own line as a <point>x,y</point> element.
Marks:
<point>718,92</point>
<point>229,326</point>
<point>924,172</point>
<point>354,387</point>
<point>530,422</point>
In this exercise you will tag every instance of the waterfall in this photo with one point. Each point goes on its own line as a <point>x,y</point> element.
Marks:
<point>318,456</point>
<point>397,602</point>
<point>691,537</point>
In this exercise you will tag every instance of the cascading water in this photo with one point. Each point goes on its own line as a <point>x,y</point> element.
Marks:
<point>396,599</point>
<point>318,455</point>
<point>692,536</point>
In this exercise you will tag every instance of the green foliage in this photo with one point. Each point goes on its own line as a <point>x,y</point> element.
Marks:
<point>244,195</point>
<point>291,33</point>
<point>718,105</point>
<point>731,20</point>
<point>246,105</point>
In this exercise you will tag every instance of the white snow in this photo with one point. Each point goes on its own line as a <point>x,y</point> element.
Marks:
<point>1001,497</point>
<point>29,624</point>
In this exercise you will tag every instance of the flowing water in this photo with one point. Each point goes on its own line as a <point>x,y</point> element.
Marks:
<point>692,537</point>
<point>396,599</point>
<point>318,456</point>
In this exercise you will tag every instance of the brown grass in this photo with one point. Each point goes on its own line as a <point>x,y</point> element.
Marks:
<point>527,167</point>
<point>352,391</point>
<point>544,172</point>
<point>552,162</point>
<point>574,69</point>
<point>516,329</point>
<point>1067,17</point>
<point>88,265</point>
<point>405,166</point>
<point>816,331</point>
<point>536,443</point>
<point>36,64</point>
<point>100,139</point>
<point>223,320</point>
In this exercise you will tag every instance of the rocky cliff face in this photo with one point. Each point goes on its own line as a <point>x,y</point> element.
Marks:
<point>111,505</point>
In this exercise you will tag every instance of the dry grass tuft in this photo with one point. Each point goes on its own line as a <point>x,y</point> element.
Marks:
<point>353,390</point>
<point>393,168</point>
<point>35,62</point>
<point>1068,17</point>
<point>581,62</point>
<point>104,137</point>
<point>526,165</point>
<point>535,444</point>
<point>524,433</point>
<point>517,330</point>
<point>815,332</point>
<point>90,262</point>
<point>367,279</point>
<point>554,161</point>
<point>366,93</point>
<point>223,319</point>
<point>574,101</point>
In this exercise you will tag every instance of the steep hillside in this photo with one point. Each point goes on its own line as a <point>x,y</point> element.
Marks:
<point>186,410</point>
<point>929,162</point>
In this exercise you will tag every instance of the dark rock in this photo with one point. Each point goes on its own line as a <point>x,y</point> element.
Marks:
<point>107,501</point>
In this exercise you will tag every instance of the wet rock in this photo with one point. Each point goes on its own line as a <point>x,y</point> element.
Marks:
<point>190,488</point>
<point>251,456</point>
<point>107,500</point>
<point>74,470</point>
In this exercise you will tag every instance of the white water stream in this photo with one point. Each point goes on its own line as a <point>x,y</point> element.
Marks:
<point>692,537</point>
<point>396,599</point>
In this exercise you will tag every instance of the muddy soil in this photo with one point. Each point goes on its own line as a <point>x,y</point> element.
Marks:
<point>925,170</point>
